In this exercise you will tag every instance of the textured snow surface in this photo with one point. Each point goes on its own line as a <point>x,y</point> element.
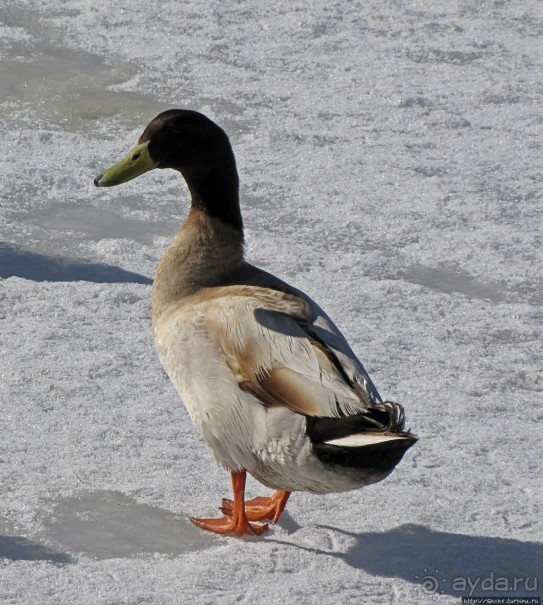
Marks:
<point>390,161</point>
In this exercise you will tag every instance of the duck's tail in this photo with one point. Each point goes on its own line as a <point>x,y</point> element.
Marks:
<point>375,440</point>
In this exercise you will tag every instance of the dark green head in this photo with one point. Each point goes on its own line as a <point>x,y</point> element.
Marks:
<point>194,145</point>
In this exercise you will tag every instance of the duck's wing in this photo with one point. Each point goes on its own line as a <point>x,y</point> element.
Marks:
<point>284,350</point>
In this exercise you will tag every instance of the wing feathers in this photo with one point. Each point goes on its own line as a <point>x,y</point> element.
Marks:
<point>285,351</point>
<point>284,387</point>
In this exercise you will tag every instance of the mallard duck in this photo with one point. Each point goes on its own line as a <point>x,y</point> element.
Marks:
<point>267,378</point>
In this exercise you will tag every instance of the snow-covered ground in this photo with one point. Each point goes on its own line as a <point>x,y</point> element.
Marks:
<point>390,161</point>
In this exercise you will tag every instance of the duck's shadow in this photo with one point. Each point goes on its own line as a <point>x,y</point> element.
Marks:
<point>447,563</point>
<point>18,548</point>
<point>16,261</point>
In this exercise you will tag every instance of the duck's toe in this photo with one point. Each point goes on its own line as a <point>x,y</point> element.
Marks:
<point>239,526</point>
<point>257,509</point>
<point>260,509</point>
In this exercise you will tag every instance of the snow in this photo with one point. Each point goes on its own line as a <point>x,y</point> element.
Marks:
<point>390,161</point>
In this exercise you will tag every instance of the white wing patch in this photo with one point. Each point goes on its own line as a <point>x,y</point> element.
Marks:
<point>363,439</point>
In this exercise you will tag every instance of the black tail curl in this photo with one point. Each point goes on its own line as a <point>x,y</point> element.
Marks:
<point>387,418</point>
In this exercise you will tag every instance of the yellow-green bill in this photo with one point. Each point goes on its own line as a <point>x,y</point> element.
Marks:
<point>136,162</point>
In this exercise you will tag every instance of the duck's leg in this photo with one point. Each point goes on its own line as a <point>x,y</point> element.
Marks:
<point>259,509</point>
<point>238,522</point>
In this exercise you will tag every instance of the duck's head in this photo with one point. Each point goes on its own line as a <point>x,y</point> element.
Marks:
<point>191,143</point>
<point>181,139</point>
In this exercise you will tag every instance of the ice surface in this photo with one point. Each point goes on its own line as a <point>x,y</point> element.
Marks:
<point>97,223</point>
<point>109,524</point>
<point>449,281</point>
<point>390,163</point>
<point>68,85</point>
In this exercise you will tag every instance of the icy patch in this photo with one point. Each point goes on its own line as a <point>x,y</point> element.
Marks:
<point>98,223</point>
<point>108,524</point>
<point>73,85</point>
<point>449,281</point>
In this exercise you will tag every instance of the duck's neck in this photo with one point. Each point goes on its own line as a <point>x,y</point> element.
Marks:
<point>216,193</point>
<point>205,251</point>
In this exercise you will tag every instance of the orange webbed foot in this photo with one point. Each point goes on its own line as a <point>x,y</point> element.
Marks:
<point>238,523</point>
<point>260,509</point>
<point>230,526</point>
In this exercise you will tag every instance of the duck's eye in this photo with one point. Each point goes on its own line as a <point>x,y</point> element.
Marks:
<point>136,156</point>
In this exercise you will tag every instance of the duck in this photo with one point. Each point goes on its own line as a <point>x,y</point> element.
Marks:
<point>270,382</point>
